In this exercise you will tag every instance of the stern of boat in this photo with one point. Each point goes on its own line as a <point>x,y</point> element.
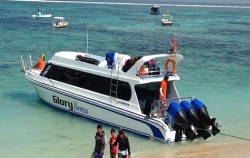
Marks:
<point>186,118</point>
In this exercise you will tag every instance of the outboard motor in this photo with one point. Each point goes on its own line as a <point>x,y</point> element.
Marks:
<point>194,119</point>
<point>204,116</point>
<point>178,120</point>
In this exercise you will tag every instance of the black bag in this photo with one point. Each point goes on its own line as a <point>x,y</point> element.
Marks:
<point>87,60</point>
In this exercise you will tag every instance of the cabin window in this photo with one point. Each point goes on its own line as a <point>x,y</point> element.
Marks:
<point>148,95</point>
<point>87,81</point>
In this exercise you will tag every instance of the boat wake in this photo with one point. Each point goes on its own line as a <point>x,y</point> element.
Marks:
<point>138,4</point>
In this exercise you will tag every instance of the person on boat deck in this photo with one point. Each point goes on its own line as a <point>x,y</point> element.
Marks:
<point>143,70</point>
<point>40,63</point>
<point>142,101</point>
<point>163,89</point>
<point>171,51</point>
<point>113,148</point>
<point>123,145</point>
<point>148,104</point>
<point>100,139</point>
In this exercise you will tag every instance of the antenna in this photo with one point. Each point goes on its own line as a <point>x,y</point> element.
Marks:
<point>87,40</point>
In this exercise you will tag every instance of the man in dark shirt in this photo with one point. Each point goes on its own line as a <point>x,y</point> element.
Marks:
<point>123,145</point>
<point>100,142</point>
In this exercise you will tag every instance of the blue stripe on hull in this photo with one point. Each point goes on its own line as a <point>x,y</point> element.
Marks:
<point>156,132</point>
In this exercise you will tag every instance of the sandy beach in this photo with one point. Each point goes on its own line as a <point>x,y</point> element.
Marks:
<point>218,150</point>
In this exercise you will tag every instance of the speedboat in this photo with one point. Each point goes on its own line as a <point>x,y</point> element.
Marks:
<point>116,90</point>
<point>166,19</point>
<point>59,22</point>
<point>41,15</point>
<point>155,10</point>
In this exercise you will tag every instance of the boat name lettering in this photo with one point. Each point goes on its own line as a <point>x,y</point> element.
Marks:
<point>62,102</point>
<point>123,103</point>
<point>82,110</point>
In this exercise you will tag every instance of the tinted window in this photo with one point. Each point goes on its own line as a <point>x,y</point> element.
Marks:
<point>88,81</point>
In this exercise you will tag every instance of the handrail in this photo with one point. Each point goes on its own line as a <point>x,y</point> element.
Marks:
<point>190,97</point>
<point>160,106</point>
<point>148,73</point>
<point>30,60</point>
<point>50,81</point>
<point>23,67</point>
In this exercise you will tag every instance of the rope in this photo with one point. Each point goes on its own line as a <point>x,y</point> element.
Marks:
<point>235,136</point>
<point>228,135</point>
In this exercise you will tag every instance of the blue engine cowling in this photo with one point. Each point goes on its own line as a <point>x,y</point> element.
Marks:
<point>204,117</point>
<point>178,120</point>
<point>194,119</point>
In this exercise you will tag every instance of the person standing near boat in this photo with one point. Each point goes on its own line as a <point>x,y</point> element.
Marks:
<point>123,145</point>
<point>40,63</point>
<point>163,90</point>
<point>100,142</point>
<point>113,148</point>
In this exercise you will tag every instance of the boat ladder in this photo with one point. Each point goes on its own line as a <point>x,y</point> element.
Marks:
<point>114,83</point>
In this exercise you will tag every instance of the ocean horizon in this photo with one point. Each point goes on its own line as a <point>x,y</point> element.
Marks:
<point>212,37</point>
<point>180,3</point>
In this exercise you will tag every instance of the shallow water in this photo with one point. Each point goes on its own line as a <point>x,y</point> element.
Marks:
<point>214,41</point>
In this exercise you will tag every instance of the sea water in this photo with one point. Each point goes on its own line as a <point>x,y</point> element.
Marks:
<point>213,40</point>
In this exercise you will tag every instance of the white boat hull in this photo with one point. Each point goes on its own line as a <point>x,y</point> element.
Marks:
<point>166,22</point>
<point>41,16</point>
<point>103,112</point>
<point>65,83</point>
<point>61,25</point>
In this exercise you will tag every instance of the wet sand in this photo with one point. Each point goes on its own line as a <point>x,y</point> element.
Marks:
<point>218,150</point>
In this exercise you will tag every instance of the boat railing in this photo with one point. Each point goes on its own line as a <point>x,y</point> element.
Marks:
<point>51,82</point>
<point>23,64</point>
<point>26,65</point>
<point>30,60</point>
<point>153,73</point>
<point>160,106</point>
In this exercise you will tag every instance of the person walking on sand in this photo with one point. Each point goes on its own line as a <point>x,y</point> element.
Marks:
<point>100,142</point>
<point>123,145</point>
<point>113,148</point>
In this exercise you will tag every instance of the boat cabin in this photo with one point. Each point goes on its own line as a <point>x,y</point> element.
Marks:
<point>59,22</point>
<point>166,19</point>
<point>118,76</point>
<point>155,10</point>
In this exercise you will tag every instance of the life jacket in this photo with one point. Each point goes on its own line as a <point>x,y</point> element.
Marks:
<point>40,64</point>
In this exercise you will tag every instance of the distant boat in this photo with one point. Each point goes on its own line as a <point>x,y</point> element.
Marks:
<point>166,19</point>
<point>59,22</point>
<point>41,15</point>
<point>155,10</point>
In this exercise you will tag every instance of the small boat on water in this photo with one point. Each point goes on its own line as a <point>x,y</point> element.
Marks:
<point>59,22</point>
<point>166,19</point>
<point>41,15</point>
<point>122,91</point>
<point>155,10</point>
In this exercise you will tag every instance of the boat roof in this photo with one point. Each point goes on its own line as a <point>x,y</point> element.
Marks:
<point>68,59</point>
<point>155,6</point>
<point>58,17</point>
